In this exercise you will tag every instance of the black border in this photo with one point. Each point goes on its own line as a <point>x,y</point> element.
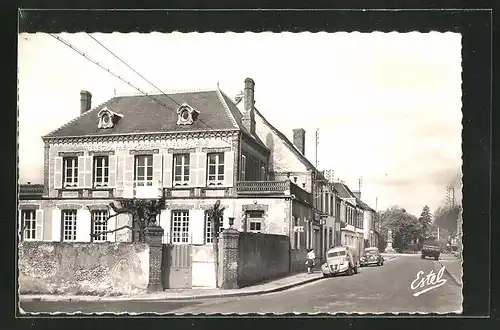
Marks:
<point>476,29</point>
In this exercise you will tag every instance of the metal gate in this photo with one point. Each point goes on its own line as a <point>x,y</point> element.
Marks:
<point>177,266</point>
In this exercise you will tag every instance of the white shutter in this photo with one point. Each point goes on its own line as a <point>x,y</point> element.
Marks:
<point>113,165</point>
<point>111,237</point>
<point>39,225</point>
<point>157,170</point>
<point>20,224</point>
<point>83,225</point>
<point>81,171</point>
<point>56,225</point>
<point>202,169</point>
<point>87,175</point>
<point>128,176</point>
<point>193,169</point>
<point>197,226</point>
<point>167,171</point>
<point>58,164</point>
<point>228,168</point>
<point>165,220</point>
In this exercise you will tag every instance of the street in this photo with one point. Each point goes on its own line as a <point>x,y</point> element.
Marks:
<point>384,289</point>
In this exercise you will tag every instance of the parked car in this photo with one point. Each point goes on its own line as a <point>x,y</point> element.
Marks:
<point>431,248</point>
<point>372,256</point>
<point>341,260</point>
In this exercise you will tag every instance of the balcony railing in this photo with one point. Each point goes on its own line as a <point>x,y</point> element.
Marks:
<point>143,192</point>
<point>263,187</point>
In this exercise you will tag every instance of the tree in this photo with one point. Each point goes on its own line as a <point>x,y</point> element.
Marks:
<point>215,214</point>
<point>405,227</point>
<point>143,211</point>
<point>446,217</point>
<point>425,221</point>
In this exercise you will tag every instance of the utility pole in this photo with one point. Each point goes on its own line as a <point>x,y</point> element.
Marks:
<point>376,204</point>
<point>360,183</point>
<point>317,143</point>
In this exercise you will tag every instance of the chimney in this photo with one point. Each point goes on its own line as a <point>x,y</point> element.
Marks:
<point>249,101</point>
<point>299,139</point>
<point>85,101</point>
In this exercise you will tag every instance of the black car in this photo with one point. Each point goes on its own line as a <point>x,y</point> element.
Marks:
<point>372,256</point>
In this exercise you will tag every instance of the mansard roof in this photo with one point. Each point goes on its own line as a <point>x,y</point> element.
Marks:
<point>142,114</point>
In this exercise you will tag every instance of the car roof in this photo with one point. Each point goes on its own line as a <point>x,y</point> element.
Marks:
<point>337,248</point>
<point>371,248</point>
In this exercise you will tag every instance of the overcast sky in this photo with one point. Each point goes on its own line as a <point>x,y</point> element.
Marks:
<point>388,106</point>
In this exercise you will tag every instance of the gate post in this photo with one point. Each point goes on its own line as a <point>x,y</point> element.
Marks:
<point>153,236</point>
<point>229,259</point>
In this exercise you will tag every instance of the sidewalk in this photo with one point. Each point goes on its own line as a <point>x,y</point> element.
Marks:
<point>195,293</point>
<point>452,266</point>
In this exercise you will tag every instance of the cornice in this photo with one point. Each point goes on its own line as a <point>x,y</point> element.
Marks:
<point>141,136</point>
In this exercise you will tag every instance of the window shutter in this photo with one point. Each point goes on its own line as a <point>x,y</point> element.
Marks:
<point>202,169</point>
<point>113,164</point>
<point>39,225</point>
<point>167,171</point>
<point>157,170</point>
<point>20,224</point>
<point>83,225</point>
<point>81,171</point>
<point>87,176</point>
<point>228,168</point>
<point>128,176</point>
<point>56,225</point>
<point>197,226</point>
<point>165,220</point>
<point>58,172</point>
<point>111,237</point>
<point>193,169</point>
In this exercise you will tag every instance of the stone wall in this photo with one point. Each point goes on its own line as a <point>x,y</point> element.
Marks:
<point>262,257</point>
<point>83,268</point>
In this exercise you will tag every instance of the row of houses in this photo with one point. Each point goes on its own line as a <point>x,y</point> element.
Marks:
<point>193,148</point>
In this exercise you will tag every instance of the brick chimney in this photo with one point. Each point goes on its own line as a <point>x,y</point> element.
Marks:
<point>249,101</point>
<point>85,101</point>
<point>299,139</point>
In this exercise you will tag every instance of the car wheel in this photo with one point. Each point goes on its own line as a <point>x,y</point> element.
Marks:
<point>356,270</point>
<point>326,275</point>
<point>436,257</point>
<point>349,270</point>
<point>422,257</point>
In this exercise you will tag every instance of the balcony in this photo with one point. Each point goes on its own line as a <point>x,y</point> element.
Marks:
<point>142,192</point>
<point>256,188</point>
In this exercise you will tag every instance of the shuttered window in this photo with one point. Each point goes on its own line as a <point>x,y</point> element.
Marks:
<point>181,170</point>
<point>215,169</point>
<point>101,171</point>
<point>70,171</point>
<point>143,175</point>
<point>69,225</point>
<point>29,224</point>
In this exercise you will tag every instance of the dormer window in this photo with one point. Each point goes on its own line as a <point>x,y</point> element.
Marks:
<point>186,114</point>
<point>108,118</point>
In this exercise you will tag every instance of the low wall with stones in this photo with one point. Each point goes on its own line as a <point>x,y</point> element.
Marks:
<point>83,268</point>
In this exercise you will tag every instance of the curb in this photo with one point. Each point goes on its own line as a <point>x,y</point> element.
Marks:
<point>191,297</point>
<point>453,277</point>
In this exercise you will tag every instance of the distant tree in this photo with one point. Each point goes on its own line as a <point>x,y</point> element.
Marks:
<point>425,221</point>
<point>405,227</point>
<point>446,217</point>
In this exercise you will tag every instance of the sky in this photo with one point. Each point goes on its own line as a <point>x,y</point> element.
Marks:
<point>387,105</point>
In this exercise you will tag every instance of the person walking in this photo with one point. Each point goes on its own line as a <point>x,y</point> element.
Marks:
<point>310,260</point>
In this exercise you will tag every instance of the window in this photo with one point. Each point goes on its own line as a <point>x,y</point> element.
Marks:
<point>144,170</point>
<point>181,170</point>
<point>70,168</point>
<point>295,233</point>
<point>215,169</point>
<point>243,168</point>
<point>180,227</point>
<point>208,229</point>
<point>99,225</point>
<point>255,221</point>
<point>101,171</point>
<point>28,221</point>
<point>69,225</point>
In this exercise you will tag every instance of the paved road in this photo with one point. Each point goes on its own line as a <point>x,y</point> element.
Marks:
<point>374,290</point>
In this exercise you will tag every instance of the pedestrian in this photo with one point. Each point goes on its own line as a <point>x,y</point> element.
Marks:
<point>310,260</point>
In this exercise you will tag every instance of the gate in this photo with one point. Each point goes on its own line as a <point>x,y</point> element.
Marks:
<point>177,266</point>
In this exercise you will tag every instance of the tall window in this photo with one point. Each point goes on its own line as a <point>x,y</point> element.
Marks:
<point>69,225</point>
<point>70,168</point>
<point>101,171</point>
<point>99,225</point>
<point>295,233</point>
<point>144,170</point>
<point>243,168</point>
<point>28,221</point>
<point>255,219</point>
<point>208,229</point>
<point>181,170</point>
<point>180,227</point>
<point>216,169</point>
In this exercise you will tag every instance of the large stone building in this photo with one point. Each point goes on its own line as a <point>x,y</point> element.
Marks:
<point>193,148</point>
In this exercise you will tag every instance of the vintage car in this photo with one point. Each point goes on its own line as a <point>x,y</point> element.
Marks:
<point>341,260</point>
<point>371,256</point>
<point>431,248</point>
